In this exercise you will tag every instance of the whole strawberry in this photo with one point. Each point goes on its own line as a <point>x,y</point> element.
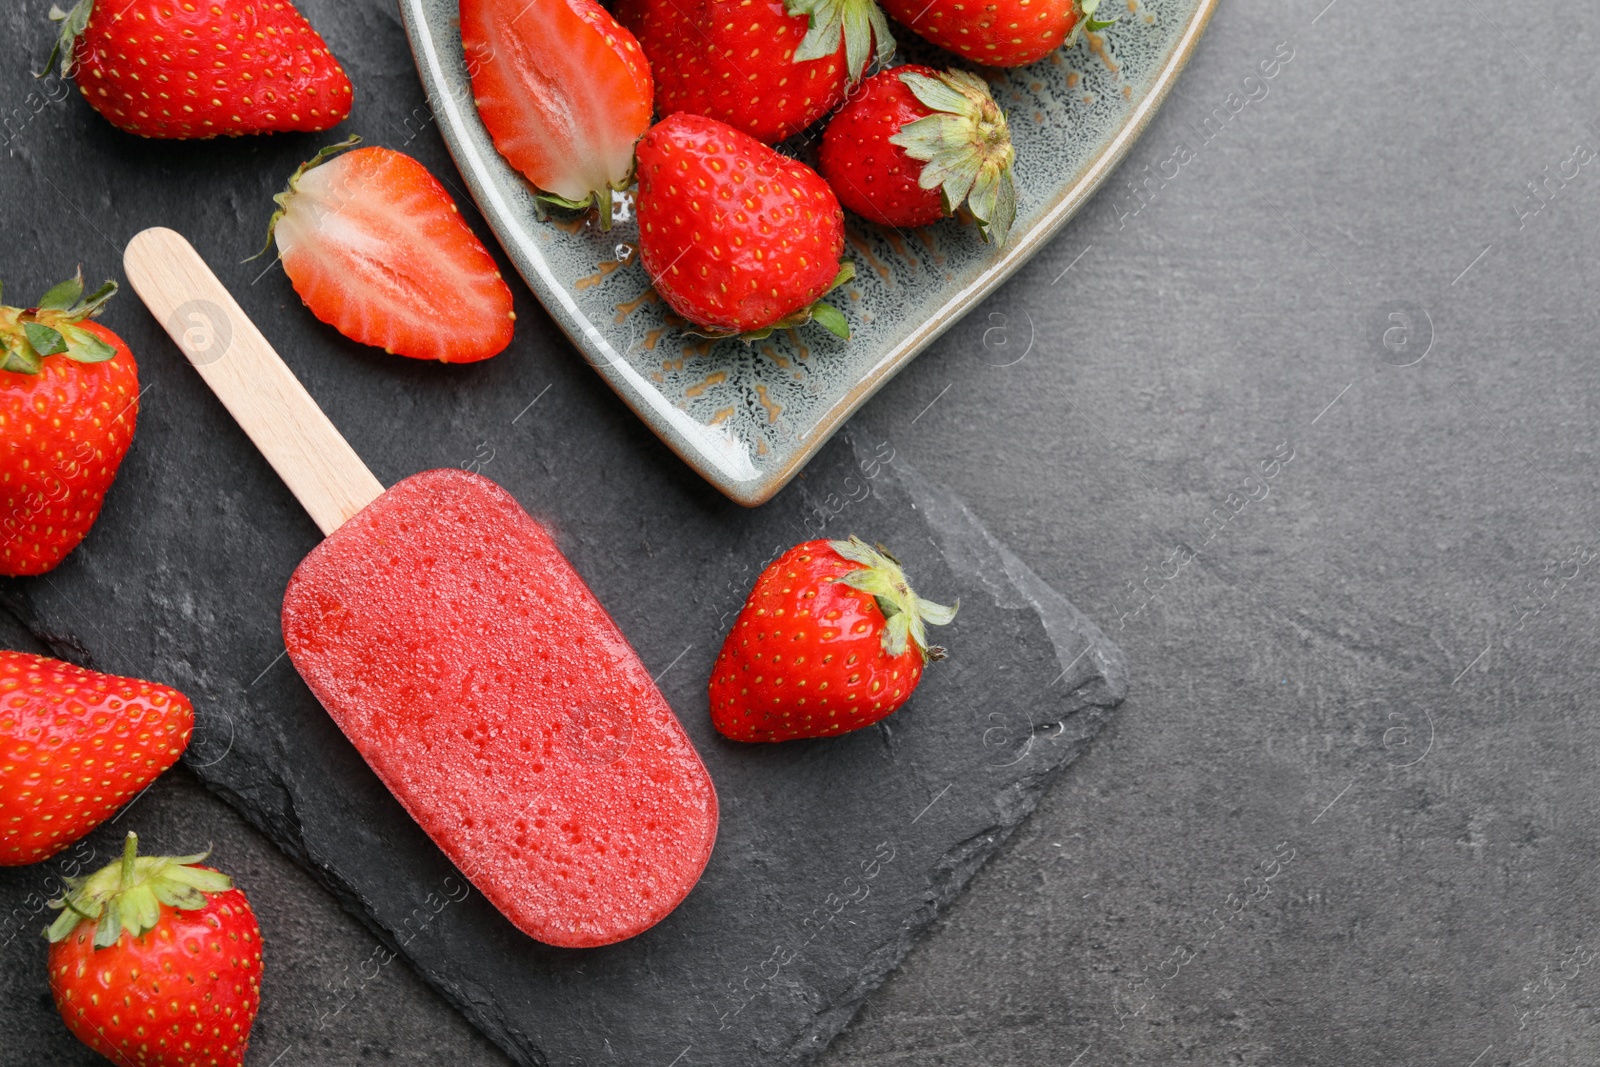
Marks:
<point>914,144</point>
<point>377,249</point>
<point>769,68</point>
<point>737,238</point>
<point>156,962</point>
<point>999,33</point>
<point>75,746</point>
<point>69,398</point>
<point>563,90</point>
<point>831,639</point>
<point>185,69</point>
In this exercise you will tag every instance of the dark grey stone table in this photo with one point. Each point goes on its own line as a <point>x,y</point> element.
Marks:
<point>1309,429</point>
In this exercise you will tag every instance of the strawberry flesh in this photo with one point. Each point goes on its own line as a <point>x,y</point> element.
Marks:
<point>377,249</point>
<point>563,89</point>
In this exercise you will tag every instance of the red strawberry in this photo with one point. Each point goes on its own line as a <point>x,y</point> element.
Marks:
<point>830,640</point>
<point>75,746</point>
<point>763,67</point>
<point>377,250</point>
<point>156,962</point>
<point>160,68</point>
<point>999,33</point>
<point>737,238</point>
<point>913,144</point>
<point>564,91</point>
<point>69,398</point>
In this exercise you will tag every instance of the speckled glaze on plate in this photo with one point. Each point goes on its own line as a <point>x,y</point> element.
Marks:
<point>748,417</point>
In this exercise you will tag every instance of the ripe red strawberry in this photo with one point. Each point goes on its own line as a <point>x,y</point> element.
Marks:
<point>377,250</point>
<point>914,144</point>
<point>764,67</point>
<point>186,69</point>
<point>737,238</point>
<point>156,962</point>
<point>75,746</point>
<point>564,91</point>
<point>69,398</point>
<point>830,640</point>
<point>999,33</point>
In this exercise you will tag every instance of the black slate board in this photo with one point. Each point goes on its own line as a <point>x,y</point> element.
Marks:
<point>832,855</point>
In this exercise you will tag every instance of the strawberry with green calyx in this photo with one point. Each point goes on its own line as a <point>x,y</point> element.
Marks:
<point>768,68</point>
<point>377,249</point>
<point>156,961</point>
<point>55,327</point>
<point>737,238</point>
<point>196,70</point>
<point>69,398</point>
<point>831,639</point>
<point>912,145</point>
<point>1000,33</point>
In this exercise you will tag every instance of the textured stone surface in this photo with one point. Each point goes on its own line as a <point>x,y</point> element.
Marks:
<point>832,856</point>
<point>1438,907</point>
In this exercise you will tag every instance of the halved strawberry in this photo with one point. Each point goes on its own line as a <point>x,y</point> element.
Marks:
<point>377,250</point>
<point>564,91</point>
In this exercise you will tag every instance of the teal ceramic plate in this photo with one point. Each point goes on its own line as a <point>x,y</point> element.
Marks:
<point>747,417</point>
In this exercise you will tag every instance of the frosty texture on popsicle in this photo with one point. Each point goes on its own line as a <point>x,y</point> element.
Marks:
<point>461,653</point>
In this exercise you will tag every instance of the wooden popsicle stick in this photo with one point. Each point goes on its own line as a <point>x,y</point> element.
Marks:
<point>251,380</point>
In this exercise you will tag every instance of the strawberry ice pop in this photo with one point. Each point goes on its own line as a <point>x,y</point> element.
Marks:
<point>459,651</point>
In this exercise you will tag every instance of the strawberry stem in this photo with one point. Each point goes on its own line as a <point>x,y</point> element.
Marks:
<point>130,851</point>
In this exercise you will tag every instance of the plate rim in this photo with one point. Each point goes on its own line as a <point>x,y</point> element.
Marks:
<point>637,395</point>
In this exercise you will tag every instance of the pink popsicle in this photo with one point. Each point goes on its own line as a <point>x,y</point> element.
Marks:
<point>467,661</point>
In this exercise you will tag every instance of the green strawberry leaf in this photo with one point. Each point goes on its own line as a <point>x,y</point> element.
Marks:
<point>861,23</point>
<point>85,347</point>
<point>20,360</point>
<point>44,340</point>
<point>95,302</point>
<point>831,319</point>
<point>73,23</point>
<point>62,297</point>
